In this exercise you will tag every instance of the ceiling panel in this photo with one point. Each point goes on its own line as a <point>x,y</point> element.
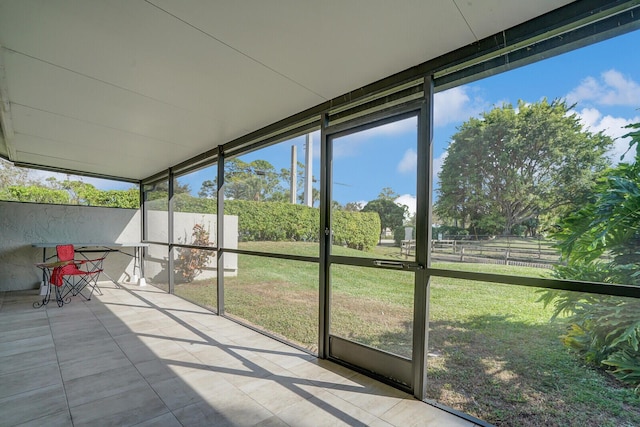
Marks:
<point>85,136</point>
<point>487,15</point>
<point>45,87</point>
<point>164,80</point>
<point>135,46</point>
<point>331,47</point>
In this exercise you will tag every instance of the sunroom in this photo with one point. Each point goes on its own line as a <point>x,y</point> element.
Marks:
<point>383,190</point>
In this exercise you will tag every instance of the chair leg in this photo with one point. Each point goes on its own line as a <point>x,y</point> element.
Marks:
<point>61,295</point>
<point>93,282</point>
<point>46,275</point>
<point>88,281</point>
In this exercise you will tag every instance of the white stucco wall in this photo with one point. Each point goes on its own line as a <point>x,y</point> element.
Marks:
<point>22,224</point>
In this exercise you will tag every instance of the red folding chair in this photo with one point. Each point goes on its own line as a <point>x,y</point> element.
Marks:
<point>76,275</point>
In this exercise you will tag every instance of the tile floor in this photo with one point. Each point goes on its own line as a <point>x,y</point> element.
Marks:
<point>138,356</point>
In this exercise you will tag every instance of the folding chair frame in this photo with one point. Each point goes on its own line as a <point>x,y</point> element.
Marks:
<point>47,270</point>
<point>68,277</point>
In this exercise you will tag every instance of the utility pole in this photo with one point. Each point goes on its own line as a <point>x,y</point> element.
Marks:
<point>294,173</point>
<point>308,175</point>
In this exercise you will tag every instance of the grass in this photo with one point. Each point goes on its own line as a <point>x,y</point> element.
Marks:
<point>496,355</point>
<point>493,351</point>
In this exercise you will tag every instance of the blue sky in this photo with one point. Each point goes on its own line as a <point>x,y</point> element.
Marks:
<point>603,80</point>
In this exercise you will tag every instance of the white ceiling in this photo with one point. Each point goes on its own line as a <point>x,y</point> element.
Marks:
<point>128,88</point>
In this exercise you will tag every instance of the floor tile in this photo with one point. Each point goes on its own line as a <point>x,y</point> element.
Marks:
<point>28,360</point>
<point>411,412</point>
<point>275,394</point>
<point>39,329</point>
<point>25,345</point>
<point>24,407</point>
<point>202,414</point>
<point>164,420</point>
<point>325,409</point>
<point>368,394</point>
<point>20,320</point>
<point>103,384</point>
<point>238,407</point>
<point>146,358</point>
<point>123,409</point>
<point>177,392</point>
<point>59,419</point>
<point>93,365</point>
<point>29,379</point>
<point>323,373</point>
<point>87,348</point>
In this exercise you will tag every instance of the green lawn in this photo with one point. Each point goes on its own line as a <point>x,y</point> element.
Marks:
<point>493,351</point>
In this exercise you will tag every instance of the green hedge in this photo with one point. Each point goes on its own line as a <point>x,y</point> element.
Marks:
<point>34,194</point>
<point>184,202</point>
<point>275,221</point>
<point>356,230</point>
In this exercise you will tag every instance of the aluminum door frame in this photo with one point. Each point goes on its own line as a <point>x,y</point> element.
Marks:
<point>407,374</point>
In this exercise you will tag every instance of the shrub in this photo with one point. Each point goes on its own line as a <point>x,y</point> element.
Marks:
<point>191,262</point>
<point>453,233</point>
<point>275,221</point>
<point>279,221</point>
<point>184,202</point>
<point>604,329</point>
<point>356,230</point>
<point>36,194</point>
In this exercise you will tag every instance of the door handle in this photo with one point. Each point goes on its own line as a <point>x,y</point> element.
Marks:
<point>399,265</point>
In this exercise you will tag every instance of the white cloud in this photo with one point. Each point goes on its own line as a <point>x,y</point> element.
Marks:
<point>614,127</point>
<point>352,145</point>
<point>451,106</point>
<point>456,105</point>
<point>437,166</point>
<point>395,128</point>
<point>361,204</point>
<point>409,201</point>
<point>589,89</point>
<point>612,88</point>
<point>409,162</point>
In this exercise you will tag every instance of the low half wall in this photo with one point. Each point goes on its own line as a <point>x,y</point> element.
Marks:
<point>22,224</point>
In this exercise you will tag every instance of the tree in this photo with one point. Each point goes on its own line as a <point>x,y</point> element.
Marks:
<point>257,180</point>
<point>11,175</point>
<point>301,174</point>
<point>353,207</point>
<point>17,185</point>
<point>514,165</point>
<point>34,194</point>
<point>391,214</point>
<point>208,189</point>
<point>315,196</point>
<point>387,193</point>
<point>604,329</point>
